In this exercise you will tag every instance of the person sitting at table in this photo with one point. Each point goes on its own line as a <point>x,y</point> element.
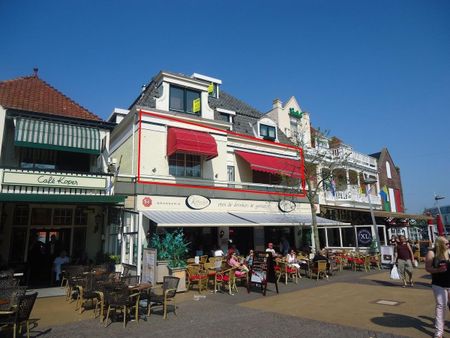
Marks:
<point>271,249</point>
<point>233,261</point>
<point>291,259</point>
<point>249,259</point>
<point>60,260</point>
<point>218,252</point>
<point>320,256</point>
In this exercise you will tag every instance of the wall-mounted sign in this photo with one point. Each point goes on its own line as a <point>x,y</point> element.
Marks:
<point>286,206</point>
<point>364,237</point>
<point>53,180</point>
<point>197,202</point>
<point>147,202</point>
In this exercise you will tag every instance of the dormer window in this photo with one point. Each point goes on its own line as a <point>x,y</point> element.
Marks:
<point>213,90</point>
<point>267,132</point>
<point>226,115</point>
<point>184,100</point>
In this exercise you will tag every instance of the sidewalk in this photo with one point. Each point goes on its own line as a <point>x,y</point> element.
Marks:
<point>343,306</point>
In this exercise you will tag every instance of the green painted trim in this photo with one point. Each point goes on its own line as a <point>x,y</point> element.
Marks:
<point>43,198</point>
<point>53,147</point>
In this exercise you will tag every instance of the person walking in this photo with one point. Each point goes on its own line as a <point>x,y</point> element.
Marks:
<point>437,263</point>
<point>405,260</point>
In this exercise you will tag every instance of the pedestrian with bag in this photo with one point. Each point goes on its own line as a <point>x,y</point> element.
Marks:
<point>437,263</point>
<point>405,260</point>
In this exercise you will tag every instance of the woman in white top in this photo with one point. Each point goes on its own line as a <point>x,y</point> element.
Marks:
<point>291,259</point>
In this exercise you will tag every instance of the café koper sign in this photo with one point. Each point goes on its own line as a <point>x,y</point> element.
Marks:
<point>54,180</point>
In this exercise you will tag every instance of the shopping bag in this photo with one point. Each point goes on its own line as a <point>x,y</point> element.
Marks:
<point>394,273</point>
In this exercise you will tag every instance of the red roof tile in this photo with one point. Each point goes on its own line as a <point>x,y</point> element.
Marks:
<point>33,94</point>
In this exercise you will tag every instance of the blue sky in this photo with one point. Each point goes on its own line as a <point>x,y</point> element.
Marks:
<point>374,73</point>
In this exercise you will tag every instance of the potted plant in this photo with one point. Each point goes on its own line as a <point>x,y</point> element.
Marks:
<point>171,253</point>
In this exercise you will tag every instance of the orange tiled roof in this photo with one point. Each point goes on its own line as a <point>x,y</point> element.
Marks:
<point>33,94</point>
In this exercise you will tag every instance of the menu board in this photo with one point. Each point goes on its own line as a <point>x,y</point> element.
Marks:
<point>149,266</point>
<point>262,272</point>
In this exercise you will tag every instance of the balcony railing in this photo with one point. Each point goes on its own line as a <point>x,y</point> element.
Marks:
<point>341,154</point>
<point>225,184</point>
<point>352,156</point>
<point>351,194</point>
<point>25,181</point>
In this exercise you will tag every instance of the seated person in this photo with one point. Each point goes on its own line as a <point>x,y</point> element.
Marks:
<point>291,259</point>
<point>271,249</point>
<point>218,252</point>
<point>60,260</point>
<point>233,261</point>
<point>320,256</point>
<point>249,259</point>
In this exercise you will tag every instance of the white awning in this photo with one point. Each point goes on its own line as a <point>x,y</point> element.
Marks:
<point>284,219</point>
<point>196,218</point>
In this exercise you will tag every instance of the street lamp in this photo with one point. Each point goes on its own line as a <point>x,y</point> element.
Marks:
<point>437,198</point>
<point>368,181</point>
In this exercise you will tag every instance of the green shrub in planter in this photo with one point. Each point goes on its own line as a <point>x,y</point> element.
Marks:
<point>171,247</point>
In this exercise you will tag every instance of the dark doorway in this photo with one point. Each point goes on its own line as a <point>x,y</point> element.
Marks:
<point>45,246</point>
<point>242,237</point>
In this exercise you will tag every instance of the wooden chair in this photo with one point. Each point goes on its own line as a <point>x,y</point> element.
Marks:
<point>166,296</point>
<point>320,269</point>
<point>195,275</point>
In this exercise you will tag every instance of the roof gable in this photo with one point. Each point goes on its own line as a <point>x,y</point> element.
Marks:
<point>35,95</point>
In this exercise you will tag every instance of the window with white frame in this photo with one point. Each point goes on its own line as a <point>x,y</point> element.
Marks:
<point>130,238</point>
<point>184,100</point>
<point>185,165</point>
<point>267,132</point>
<point>388,170</point>
<point>231,174</point>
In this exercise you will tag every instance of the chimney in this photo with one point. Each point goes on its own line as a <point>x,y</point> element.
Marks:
<point>35,71</point>
<point>277,104</point>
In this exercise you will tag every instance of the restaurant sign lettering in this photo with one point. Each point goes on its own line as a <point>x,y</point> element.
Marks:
<point>53,180</point>
<point>197,202</point>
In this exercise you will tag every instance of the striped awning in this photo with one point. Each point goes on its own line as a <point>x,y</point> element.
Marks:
<point>54,135</point>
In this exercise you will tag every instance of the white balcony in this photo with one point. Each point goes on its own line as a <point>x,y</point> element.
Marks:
<point>353,157</point>
<point>349,197</point>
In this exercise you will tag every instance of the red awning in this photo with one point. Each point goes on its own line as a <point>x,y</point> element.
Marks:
<point>191,142</point>
<point>272,164</point>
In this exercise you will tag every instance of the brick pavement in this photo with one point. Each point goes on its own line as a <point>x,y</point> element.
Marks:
<point>343,306</point>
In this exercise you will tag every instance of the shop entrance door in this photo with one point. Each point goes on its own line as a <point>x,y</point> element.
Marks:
<point>45,245</point>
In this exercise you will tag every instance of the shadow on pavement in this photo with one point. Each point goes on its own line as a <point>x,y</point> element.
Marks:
<point>403,321</point>
<point>399,285</point>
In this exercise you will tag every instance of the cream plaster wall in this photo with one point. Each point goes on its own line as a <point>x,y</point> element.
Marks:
<point>124,154</point>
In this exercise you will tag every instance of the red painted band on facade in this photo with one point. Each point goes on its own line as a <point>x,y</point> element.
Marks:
<point>171,118</point>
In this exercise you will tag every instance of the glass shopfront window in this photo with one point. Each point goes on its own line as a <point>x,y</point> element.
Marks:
<point>334,238</point>
<point>348,237</point>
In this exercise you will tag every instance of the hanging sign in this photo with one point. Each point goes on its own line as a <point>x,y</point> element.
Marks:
<point>196,105</point>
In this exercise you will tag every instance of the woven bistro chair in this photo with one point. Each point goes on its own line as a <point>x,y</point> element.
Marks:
<point>19,314</point>
<point>195,275</point>
<point>320,269</point>
<point>166,296</point>
<point>124,301</point>
<point>11,294</point>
